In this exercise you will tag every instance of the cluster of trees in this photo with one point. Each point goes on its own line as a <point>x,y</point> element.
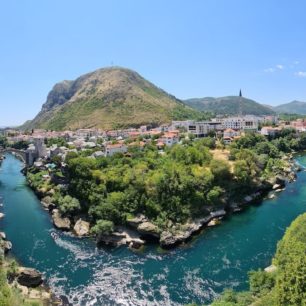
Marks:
<point>285,286</point>
<point>20,145</point>
<point>59,141</point>
<point>3,141</point>
<point>182,183</point>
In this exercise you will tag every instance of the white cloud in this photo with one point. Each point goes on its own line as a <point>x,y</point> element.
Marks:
<point>274,69</point>
<point>301,74</point>
<point>269,70</point>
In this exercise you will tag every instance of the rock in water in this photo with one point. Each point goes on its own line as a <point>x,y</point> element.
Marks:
<point>60,222</point>
<point>148,229</point>
<point>81,228</point>
<point>29,277</point>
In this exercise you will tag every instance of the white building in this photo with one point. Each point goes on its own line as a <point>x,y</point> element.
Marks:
<point>111,149</point>
<point>247,123</point>
<point>199,129</point>
<point>169,139</point>
<point>269,131</point>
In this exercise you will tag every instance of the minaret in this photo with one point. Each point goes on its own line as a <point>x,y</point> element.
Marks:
<point>240,103</point>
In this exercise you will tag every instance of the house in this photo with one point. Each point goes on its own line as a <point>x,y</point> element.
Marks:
<point>269,131</point>
<point>229,133</point>
<point>53,151</point>
<point>299,125</point>
<point>111,149</point>
<point>139,144</point>
<point>169,139</point>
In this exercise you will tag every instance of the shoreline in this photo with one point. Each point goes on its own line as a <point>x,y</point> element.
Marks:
<point>137,232</point>
<point>29,282</point>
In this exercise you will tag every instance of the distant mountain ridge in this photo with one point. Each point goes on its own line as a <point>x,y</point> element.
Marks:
<point>108,98</point>
<point>229,105</point>
<point>294,107</point>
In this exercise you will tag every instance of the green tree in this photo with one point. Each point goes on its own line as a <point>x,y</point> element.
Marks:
<point>68,204</point>
<point>103,227</point>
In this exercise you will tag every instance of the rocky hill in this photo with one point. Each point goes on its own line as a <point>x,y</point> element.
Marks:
<point>230,105</point>
<point>108,98</point>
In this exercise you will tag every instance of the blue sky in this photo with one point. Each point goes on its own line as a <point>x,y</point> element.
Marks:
<point>190,48</point>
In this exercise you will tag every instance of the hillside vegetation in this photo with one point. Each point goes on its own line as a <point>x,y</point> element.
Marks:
<point>294,107</point>
<point>108,98</point>
<point>230,105</point>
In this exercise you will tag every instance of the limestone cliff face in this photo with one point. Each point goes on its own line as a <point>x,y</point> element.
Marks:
<point>106,98</point>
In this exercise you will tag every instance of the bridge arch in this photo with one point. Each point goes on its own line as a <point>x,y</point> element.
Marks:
<point>19,153</point>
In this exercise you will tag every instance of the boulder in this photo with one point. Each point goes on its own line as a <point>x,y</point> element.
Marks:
<point>280,180</point>
<point>168,240</point>
<point>134,222</point>
<point>271,196</point>
<point>7,246</point>
<point>34,294</point>
<point>1,215</point>
<point>148,229</point>
<point>122,236</point>
<point>47,204</point>
<point>271,269</point>
<point>214,222</point>
<point>60,222</point>
<point>248,199</point>
<point>29,277</point>
<point>81,228</point>
<point>2,235</point>
<point>24,290</point>
<point>114,239</point>
<point>276,186</point>
<point>135,245</point>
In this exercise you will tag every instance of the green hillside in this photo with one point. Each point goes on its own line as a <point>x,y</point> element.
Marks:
<point>230,105</point>
<point>294,107</point>
<point>108,98</point>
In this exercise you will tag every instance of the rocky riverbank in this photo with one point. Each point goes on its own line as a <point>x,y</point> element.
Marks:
<point>139,230</point>
<point>27,282</point>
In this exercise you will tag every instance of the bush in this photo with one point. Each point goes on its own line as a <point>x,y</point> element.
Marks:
<point>103,227</point>
<point>68,204</point>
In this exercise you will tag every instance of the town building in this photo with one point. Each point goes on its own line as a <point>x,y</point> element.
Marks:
<point>246,123</point>
<point>169,139</point>
<point>199,129</point>
<point>270,131</point>
<point>111,149</point>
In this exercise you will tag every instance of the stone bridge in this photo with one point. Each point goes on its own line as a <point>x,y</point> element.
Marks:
<point>19,153</point>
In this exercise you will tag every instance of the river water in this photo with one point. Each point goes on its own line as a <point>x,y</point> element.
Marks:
<point>218,258</point>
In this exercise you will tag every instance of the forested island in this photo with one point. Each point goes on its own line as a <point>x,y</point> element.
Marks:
<point>146,195</point>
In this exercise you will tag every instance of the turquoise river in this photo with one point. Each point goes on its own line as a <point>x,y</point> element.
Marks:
<point>218,258</point>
